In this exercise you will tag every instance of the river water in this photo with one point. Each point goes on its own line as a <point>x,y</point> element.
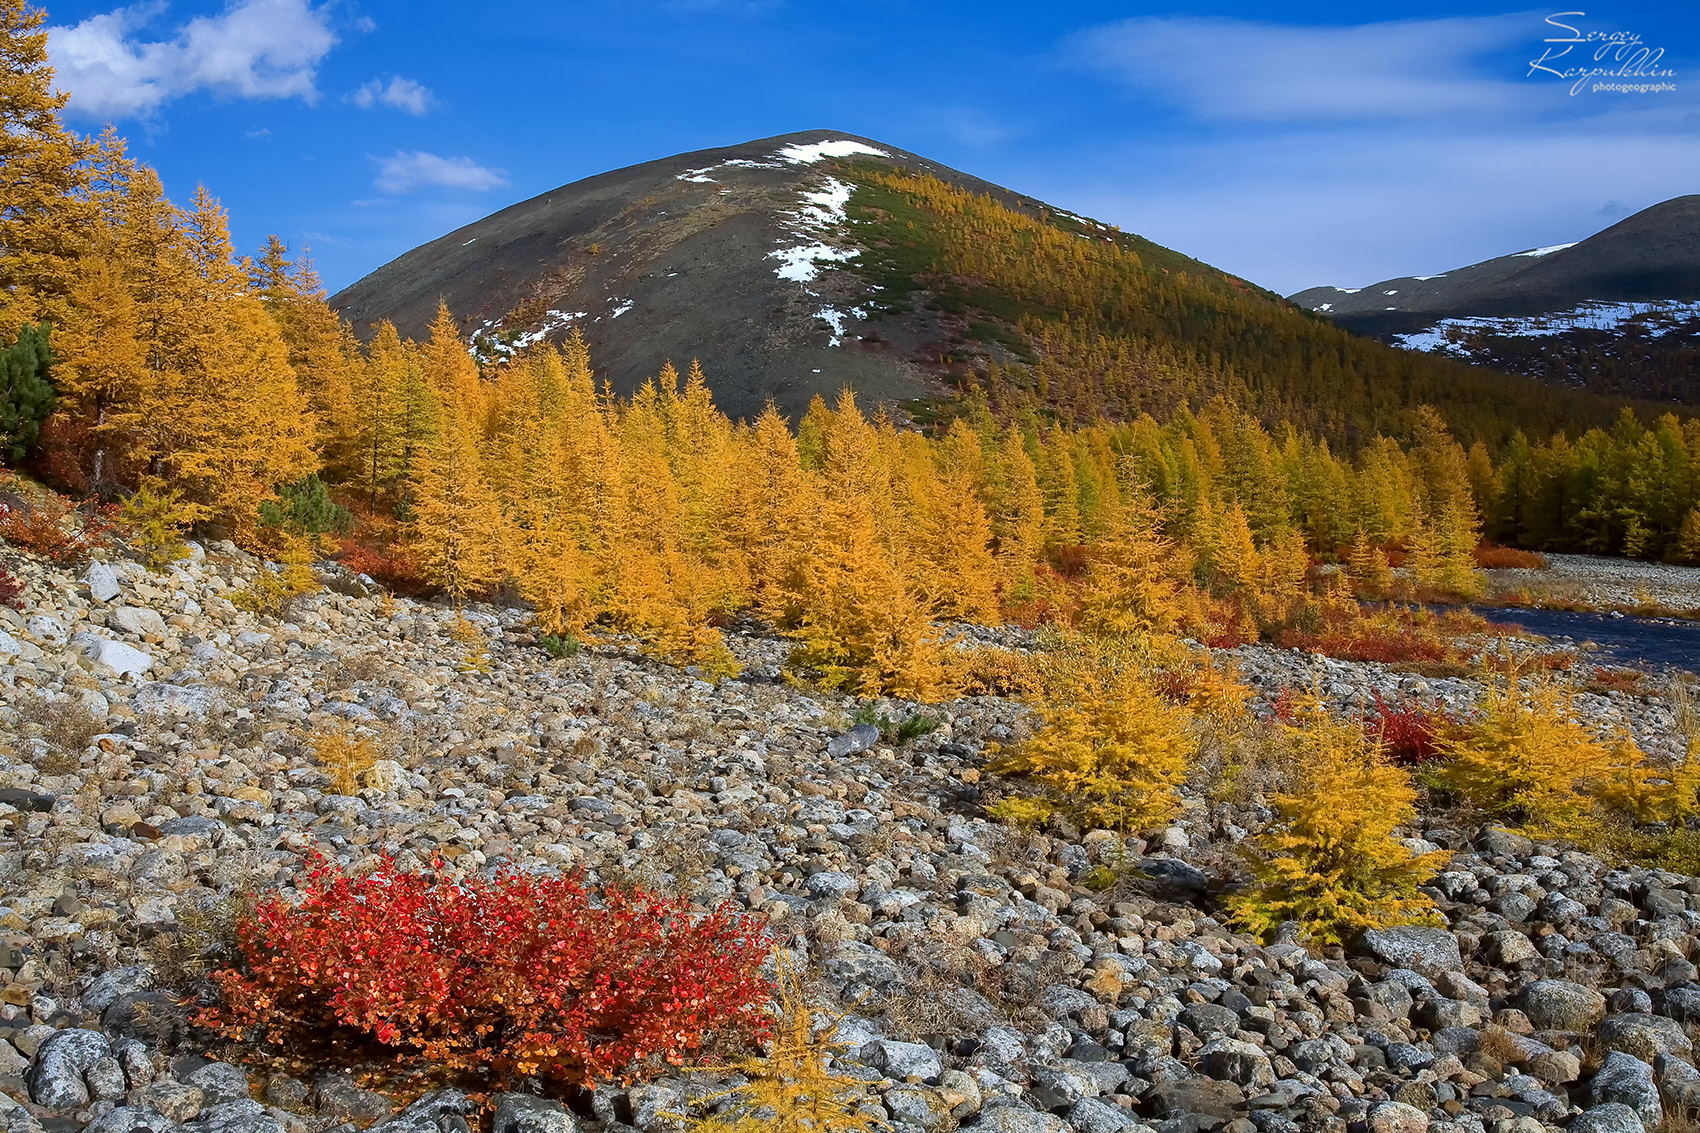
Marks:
<point>1643,643</point>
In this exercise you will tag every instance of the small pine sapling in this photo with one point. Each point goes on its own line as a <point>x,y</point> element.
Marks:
<point>1329,860</point>
<point>155,517</point>
<point>1110,748</point>
<point>1528,758</point>
<point>345,756</point>
<point>790,1089</point>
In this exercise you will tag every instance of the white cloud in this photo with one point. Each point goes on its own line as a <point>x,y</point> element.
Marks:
<point>1241,69</point>
<point>404,172</point>
<point>1294,211</point>
<point>253,49</point>
<point>398,93</point>
<point>1301,155</point>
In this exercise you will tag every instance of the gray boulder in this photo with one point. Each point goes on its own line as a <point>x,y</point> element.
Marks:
<point>854,742</point>
<point>130,1119</point>
<point>72,1068</point>
<point>523,1113</point>
<point>220,1082</point>
<point>903,1060</point>
<point>440,1111</point>
<point>14,1118</point>
<point>1612,1117</point>
<point>1090,1115</point>
<point>336,1096</point>
<point>1019,1119</point>
<point>1241,1063</point>
<point>137,620</point>
<point>1431,951</point>
<point>1559,1005</point>
<point>102,582</point>
<point>245,1116</point>
<point>1626,1079</point>
<point>1643,1035</point>
<point>1397,1117</point>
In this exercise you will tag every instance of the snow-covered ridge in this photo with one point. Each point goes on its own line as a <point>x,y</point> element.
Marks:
<point>1548,250</point>
<point>1447,335</point>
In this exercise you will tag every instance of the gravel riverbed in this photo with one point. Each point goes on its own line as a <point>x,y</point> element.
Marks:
<point>983,984</point>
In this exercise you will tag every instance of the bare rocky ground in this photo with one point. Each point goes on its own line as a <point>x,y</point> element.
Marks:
<point>1606,584</point>
<point>156,762</point>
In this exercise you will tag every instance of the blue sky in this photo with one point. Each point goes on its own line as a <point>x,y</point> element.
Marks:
<point>1293,145</point>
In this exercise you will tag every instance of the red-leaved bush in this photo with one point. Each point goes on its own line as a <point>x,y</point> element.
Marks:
<point>505,977</point>
<point>53,527</point>
<point>1409,731</point>
<point>11,590</point>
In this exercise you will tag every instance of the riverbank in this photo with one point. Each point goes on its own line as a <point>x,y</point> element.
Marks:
<point>1590,582</point>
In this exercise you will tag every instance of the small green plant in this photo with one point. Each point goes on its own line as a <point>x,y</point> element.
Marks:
<point>560,645</point>
<point>155,517</point>
<point>896,732</point>
<point>306,508</point>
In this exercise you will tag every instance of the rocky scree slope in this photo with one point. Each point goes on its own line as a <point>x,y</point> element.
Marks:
<point>154,766</point>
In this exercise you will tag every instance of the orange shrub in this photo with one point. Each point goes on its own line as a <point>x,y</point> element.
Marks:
<point>1490,557</point>
<point>52,527</point>
<point>505,977</point>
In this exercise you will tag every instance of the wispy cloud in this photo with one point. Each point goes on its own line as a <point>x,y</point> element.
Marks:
<point>398,94</point>
<point>1243,69</point>
<point>262,49</point>
<point>1297,155</point>
<point>404,172</point>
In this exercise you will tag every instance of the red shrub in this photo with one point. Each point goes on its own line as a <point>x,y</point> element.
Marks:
<point>391,566</point>
<point>1490,557</point>
<point>11,590</point>
<point>1408,731</point>
<point>1369,642</point>
<point>506,977</point>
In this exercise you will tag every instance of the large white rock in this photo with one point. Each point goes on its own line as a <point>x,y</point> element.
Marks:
<point>102,582</point>
<point>47,630</point>
<point>138,620</point>
<point>124,660</point>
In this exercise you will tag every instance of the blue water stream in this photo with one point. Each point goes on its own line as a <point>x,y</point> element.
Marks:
<point>1656,643</point>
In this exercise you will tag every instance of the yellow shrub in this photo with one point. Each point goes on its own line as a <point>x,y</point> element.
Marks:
<point>475,658</point>
<point>1108,743</point>
<point>154,518</point>
<point>1329,860</point>
<point>1528,758</point>
<point>791,1090</point>
<point>990,672</point>
<point>345,757</point>
<point>1021,813</point>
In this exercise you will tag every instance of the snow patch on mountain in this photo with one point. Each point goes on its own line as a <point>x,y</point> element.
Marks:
<point>843,147</point>
<point>1448,335</point>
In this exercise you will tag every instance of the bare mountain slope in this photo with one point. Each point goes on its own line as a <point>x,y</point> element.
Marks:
<point>797,265</point>
<point>722,255</point>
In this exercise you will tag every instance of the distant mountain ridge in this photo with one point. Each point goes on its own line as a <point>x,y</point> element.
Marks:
<point>1617,312</point>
